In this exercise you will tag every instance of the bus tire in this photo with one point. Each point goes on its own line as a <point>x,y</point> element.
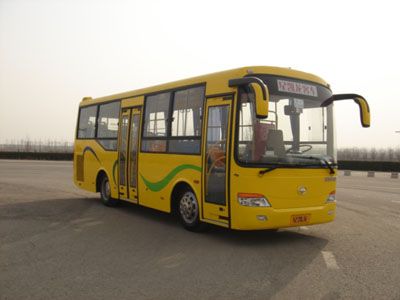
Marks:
<point>105,192</point>
<point>188,211</point>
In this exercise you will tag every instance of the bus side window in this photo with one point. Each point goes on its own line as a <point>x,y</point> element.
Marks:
<point>87,122</point>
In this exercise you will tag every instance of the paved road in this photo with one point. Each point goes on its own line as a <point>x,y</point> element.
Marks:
<point>57,242</point>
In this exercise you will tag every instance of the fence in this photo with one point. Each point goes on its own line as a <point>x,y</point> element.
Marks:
<point>371,154</point>
<point>357,159</point>
<point>29,146</point>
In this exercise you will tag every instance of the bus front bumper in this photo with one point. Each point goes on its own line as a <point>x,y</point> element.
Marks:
<point>258,218</point>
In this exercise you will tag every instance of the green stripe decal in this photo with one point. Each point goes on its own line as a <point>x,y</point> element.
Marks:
<point>159,185</point>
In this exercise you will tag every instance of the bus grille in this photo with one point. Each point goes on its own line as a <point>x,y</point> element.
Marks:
<point>79,168</point>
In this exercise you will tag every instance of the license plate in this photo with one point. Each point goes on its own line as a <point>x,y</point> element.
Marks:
<point>300,219</point>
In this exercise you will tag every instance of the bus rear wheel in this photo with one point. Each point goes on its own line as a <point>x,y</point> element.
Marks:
<point>188,210</point>
<point>105,192</point>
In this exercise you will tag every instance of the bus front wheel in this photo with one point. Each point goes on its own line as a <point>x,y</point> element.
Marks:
<point>188,210</point>
<point>105,192</point>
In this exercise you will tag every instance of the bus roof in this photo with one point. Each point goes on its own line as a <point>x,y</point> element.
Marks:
<point>213,80</point>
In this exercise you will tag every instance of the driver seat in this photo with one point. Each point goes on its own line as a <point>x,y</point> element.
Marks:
<point>275,142</point>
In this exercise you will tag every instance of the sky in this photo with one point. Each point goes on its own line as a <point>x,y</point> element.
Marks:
<point>53,53</point>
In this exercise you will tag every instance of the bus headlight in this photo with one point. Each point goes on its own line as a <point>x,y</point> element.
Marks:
<point>256,200</point>
<point>332,197</point>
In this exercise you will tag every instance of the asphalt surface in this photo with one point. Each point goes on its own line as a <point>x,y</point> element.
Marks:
<point>58,242</point>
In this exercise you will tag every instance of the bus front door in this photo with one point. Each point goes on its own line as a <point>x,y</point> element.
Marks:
<point>128,153</point>
<point>215,165</point>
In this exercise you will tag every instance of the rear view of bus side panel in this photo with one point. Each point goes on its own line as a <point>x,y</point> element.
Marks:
<point>92,161</point>
<point>95,152</point>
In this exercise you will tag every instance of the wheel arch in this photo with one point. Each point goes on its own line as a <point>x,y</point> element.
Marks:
<point>100,174</point>
<point>179,186</point>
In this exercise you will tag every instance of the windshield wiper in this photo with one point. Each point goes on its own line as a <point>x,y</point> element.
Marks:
<point>262,172</point>
<point>331,169</point>
<point>320,159</point>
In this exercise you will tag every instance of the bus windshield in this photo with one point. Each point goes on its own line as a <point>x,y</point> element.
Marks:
<point>296,132</point>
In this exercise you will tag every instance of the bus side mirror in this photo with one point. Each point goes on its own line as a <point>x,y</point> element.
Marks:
<point>261,93</point>
<point>364,111</point>
<point>365,116</point>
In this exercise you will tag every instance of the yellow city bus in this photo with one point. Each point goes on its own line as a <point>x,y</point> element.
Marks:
<point>249,148</point>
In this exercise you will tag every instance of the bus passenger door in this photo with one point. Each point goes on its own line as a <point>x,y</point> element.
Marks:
<point>122,152</point>
<point>128,154</point>
<point>216,163</point>
<point>133,153</point>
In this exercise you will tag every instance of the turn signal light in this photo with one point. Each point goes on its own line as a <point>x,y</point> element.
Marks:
<point>332,197</point>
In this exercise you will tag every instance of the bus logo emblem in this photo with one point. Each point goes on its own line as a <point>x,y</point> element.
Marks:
<point>302,190</point>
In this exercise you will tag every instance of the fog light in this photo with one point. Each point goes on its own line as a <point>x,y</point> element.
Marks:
<point>261,218</point>
<point>332,197</point>
<point>257,200</point>
<point>331,212</point>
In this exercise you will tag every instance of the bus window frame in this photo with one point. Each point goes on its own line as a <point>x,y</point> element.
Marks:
<point>78,123</point>
<point>237,114</point>
<point>236,141</point>
<point>95,138</point>
<point>168,136</point>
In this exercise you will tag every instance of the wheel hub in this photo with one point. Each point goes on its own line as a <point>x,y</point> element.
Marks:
<point>188,207</point>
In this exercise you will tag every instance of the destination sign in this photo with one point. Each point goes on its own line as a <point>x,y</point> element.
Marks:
<point>298,88</point>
